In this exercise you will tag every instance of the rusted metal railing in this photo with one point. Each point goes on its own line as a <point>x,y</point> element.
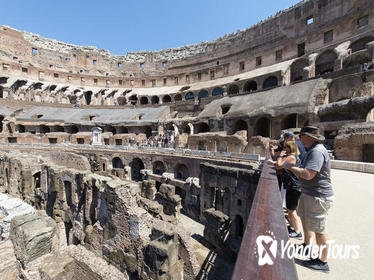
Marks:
<point>265,219</point>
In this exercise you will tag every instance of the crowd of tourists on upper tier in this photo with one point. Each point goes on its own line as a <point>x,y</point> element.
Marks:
<point>303,171</point>
<point>164,141</point>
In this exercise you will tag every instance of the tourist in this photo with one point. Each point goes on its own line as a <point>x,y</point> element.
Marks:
<point>291,184</point>
<point>290,136</point>
<point>316,194</point>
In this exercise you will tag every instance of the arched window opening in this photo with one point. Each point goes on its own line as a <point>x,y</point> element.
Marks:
<point>58,128</point>
<point>122,101</point>
<point>360,44</point>
<point>190,95</point>
<point>289,121</point>
<point>262,127</point>
<point>144,100</point>
<point>155,100</point>
<point>166,99</point>
<point>178,97</point>
<point>325,62</point>
<point>148,131</point>
<point>250,86</point>
<point>270,82</point>
<point>44,129</point>
<point>133,99</point>
<point>117,163</point>
<point>203,93</point>
<point>87,97</point>
<point>20,128</point>
<point>299,71</point>
<point>201,128</point>
<point>73,129</point>
<point>233,89</point>
<point>217,91</point>
<point>122,130</point>
<point>181,172</point>
<point>109,128</point>
<point>240,125</point>
<point>158,168</point>
<point>136,165</point>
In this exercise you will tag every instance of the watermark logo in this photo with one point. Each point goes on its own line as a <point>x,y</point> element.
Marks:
<point>266,249</point>
<point>267,246</point>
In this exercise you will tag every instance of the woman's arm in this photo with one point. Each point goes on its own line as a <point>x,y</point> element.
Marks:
<point>281,161</point>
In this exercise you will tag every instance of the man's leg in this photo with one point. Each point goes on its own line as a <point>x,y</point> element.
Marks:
<point>292,216</point>
<point>308,235</point>
<point>321,239</point>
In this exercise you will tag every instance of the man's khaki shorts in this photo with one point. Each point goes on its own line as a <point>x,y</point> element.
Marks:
<point>313,210</point>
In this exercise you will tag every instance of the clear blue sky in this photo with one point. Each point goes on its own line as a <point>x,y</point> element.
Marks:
<point>121,26</point>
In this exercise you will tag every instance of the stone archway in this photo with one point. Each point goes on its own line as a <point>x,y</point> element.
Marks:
<point>250,86</point>
<point>325,62</point>
<point>263,127</point>
<point>136,165</point>
<point>270,82</point>
<point>117,163</point>
<point>158,167</point>
<point>233,89</point>
<point>181,172</point>
<point>298,70</point>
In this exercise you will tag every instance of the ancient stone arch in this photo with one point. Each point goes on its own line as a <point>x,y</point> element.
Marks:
<point>44,129</point>
<point>325,62</point>
<point>298,70</point>
<point>203,93</point>
<point>155,99</point>
<point>250,86</point>
<point>144,100</point>
<point>263,127</point>
<point>233,89</point>
<point>133,99</point>
<point>88,97</point>
<point>189,96</point>
<point>217,91</point>
<point>181,172</point>
<point>136,165</point>
<point>201,127</point>
<point>72,129</point>
<point>158,167</point>
<point>360,44</point>
<point>270,82</point>
<point>240,125</point>
<point>117,163</point>
<point>178,97</point>
<point>289,121</point>
<point>166,99</point>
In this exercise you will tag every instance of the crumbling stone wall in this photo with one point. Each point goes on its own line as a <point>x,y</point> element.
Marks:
<point>103,215</point>
<point>355,142</point>
<point>230,191</point>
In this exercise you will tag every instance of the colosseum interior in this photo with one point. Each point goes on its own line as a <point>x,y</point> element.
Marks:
<point>111,164</point>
